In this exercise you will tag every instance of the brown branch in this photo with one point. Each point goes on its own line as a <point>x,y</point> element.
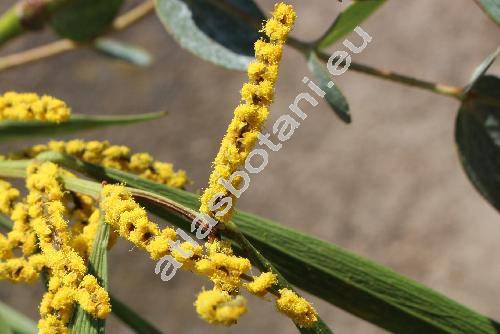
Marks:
<point>65,45</point>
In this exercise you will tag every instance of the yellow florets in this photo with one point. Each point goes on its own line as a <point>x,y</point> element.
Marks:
<point>296,308</point>
<point>250,116</point>
<point>67,282</point>
<point>132,222</point>
<point>114,156</point>
<point>8,195</point>
<point>218,307</point>
<point>29,106</point>
<point>261,283</point>
<point>93,298</point>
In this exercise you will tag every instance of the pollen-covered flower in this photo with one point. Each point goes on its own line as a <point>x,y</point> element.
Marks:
<point>296,308</point>
<point>218,307</point>
<point>68,282</point>
<point>250,115</point>
<point>113,156</point>
<point>93,298</point>
<point>132,223</point>
<point>30,106</point>
<point>261,283</point>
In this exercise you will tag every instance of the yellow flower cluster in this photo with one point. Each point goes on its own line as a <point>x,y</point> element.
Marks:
<point>218,307</point>
<point>257,95</point>
<point>30,106</point>
<point>131,222</point>
<point>113,156</point>
<point>68,281</point>
<point>296,308</point>
<point>216,261</point>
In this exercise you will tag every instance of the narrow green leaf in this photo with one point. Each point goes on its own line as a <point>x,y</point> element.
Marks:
<point>477,133</point>
<point>132,319</point>
<point>83,322</point>
<point>124,51</point>
<point>357,285</point>
<point>348,19</point>
<point>83,20</point>
<point>18,323</point>
<point>333,96</point>
<point>222,32</point>
<point>21,130</point>
<point>492,8</point>
<point>481,70</point>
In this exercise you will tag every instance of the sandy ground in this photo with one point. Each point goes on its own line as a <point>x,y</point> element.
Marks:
<point>388,187</point>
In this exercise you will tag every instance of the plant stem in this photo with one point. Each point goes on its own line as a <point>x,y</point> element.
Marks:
<point>437,88</point>
<point>10,25</point>
<point>38,53</point>
<point>65,45</point>
<point>26,15</point>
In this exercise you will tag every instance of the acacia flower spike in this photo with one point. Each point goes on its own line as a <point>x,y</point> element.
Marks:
<point>113,156</point>
<point>68,281</point>
<point>30,106</point>
<point>249,117</point>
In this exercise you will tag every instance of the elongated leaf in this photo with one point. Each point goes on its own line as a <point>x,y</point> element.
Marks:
<point>352,16</point>
<point>222,32</point>
<point>17,322</point>
<point>84,323</point>
<point>17,130</point>
<point>124,51</point>
<point>132,319</point>
<point>481,70</point>
<point>492,8</point>
<point>477,134</point>
<point>83,20</point>
<point>333,96</point>
<point>359,286</point>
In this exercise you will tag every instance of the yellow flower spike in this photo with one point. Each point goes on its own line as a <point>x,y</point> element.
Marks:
<point>261,283</point>
<point>296,308</point>
<point>218,307</point>
<point>131,221</point>
<point>113,156</point>
<point>67,269</point>
<point>29,106</point>
<point>257,95</point>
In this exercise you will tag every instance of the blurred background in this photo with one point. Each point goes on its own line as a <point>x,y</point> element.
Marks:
<point>389,186</point>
